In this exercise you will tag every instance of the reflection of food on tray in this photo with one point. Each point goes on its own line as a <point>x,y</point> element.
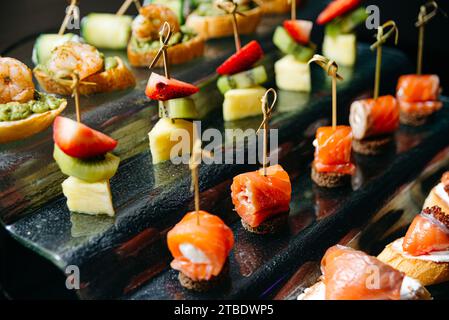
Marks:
<point>88,225</point>
<point>289,101</point>
<point>326,203</point>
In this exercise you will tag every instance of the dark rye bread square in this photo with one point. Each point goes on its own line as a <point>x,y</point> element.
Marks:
<point>272,225</point>
<point>330,179</point>
<point>413,119</point>
<point>372,146</point>
<point>205,285</point>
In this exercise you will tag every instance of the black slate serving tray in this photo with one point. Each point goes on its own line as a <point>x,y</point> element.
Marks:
<point>126,257</point>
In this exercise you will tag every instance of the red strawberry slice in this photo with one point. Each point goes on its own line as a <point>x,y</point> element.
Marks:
<point>80,141</point>
<point>299,30</point>
<point>335,9</point>
<point>242,60</point>
<point>160,88</point>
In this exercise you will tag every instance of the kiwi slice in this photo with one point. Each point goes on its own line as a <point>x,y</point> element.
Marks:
<point>242,80</point>
<point>288,45</point>
<point>181,108</point>
<point>89,170</point>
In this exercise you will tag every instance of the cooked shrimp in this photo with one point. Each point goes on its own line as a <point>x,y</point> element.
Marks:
<point>73,57</point>
<point>16,81</point>
<point>148,23</point>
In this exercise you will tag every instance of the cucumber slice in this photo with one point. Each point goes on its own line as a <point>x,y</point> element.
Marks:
<point>177,6</point>
<point>45,44</point>
<point>182,108</point>
<point>106,31</point>
<point>241,80</point>
<point>347,23</point>
<point>288,45</point>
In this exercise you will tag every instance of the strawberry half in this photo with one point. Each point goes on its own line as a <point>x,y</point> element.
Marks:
<point>242,60</point>
<point>299,30</point>
<point>335,9</point>
<point>79,141</point>
<point>160,88</point>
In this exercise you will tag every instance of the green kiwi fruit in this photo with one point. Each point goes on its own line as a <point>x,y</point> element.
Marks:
<point>242,80</point>
<point>182,108</point>
<point>288,45</point>
<point>89,170</point>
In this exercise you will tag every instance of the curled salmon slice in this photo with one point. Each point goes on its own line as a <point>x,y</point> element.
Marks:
<point>374,117</point>
<point>333,150</point>
<point>418,88</point>
<point>349,274</point>
<point>200,244</point>
<point>257,197</point>
<point>428,232</point>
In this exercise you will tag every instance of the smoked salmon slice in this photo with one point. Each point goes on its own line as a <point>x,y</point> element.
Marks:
<point>420,108</point>
<point>333,150</point>
<point>353,275</point>
<point>374,117</point>
<point>257,197</point>
<point>418,88</point>
<point>200,244</point>
<point>428,232</point>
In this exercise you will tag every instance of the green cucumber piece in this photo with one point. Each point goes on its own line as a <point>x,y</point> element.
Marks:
<point>347,23</point>
<point>177,6</point>
<point>89,170</point>
<point>106,30</point>
<point>288,45</point>
<point>45,44</point>
<point>242,80</point>
<point>182,108</point>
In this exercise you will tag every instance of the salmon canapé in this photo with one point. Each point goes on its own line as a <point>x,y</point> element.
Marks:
<point>200,244</point>
<point>257,197</point>
<point>418,88</point>
<point>428,232</point>
<point>333,150</point>
<point>349,274</point>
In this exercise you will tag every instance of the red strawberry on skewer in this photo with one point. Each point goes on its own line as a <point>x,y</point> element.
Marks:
<point>160,88</point>
<point>242,60</point>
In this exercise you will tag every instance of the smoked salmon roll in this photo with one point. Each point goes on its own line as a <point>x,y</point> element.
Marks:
<point>350,274</point>
<point>373,121</point>
<point>424,251</point>
<point>332,166</point>
<point>200,244</point>
<point>259,200</point>
<point>418,98</point>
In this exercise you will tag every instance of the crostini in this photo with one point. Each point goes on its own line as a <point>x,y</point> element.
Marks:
<point>423,253</point>
<point>96,73</point>
<point>23,111</point>
<point>350,274</point>
<point>184,45</point>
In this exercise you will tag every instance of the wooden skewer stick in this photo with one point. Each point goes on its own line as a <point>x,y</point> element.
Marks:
<point>267,112</point>
<point>75,94</point>
<point>331,67</point>
<point>194,162</point>
<point>126,5</point>
<point>164,37</point>
<point>381,39</point>
<point>293,9</point>
<point>230,7</point>
<point>423,18</point>
<point>68,14</point>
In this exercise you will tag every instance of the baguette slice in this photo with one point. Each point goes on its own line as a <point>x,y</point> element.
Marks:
<point>425,271</point>
<point>21,129</point>
<point>221,26</point>
<point>118,78</point>
<point>177,54</point>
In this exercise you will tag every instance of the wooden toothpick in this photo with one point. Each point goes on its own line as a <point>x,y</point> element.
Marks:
<point>195,160</point>
<point>126,5</point>
<point>267,110</point>
<point>293,9</point>
<point>331,68</point>
<point>68,14</point>
<point>230,7</point>
<point>423,18</point>
<point>381,39</point>
<point>75,94</point>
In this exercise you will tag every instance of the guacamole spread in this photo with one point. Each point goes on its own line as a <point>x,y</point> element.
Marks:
<point>41,103</point>
<point>184,35</point>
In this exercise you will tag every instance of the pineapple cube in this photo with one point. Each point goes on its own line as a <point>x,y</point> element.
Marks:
<point>292,75</point>
<point>342,48</point>
<point>166,134</point>
<point>242,103</point>
<point>88,197</point>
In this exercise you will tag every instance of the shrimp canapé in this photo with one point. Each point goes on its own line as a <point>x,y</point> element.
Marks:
<point>151,18</point>
<point>16,81</point>
<point>73,57</point>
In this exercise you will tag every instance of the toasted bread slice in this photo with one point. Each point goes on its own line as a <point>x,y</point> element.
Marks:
<point>21,129</point>
<point>118,78</point>
<point>425,271</point>
<point>210,27</point>
<point>274,6</point>
<point>177,54</point>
